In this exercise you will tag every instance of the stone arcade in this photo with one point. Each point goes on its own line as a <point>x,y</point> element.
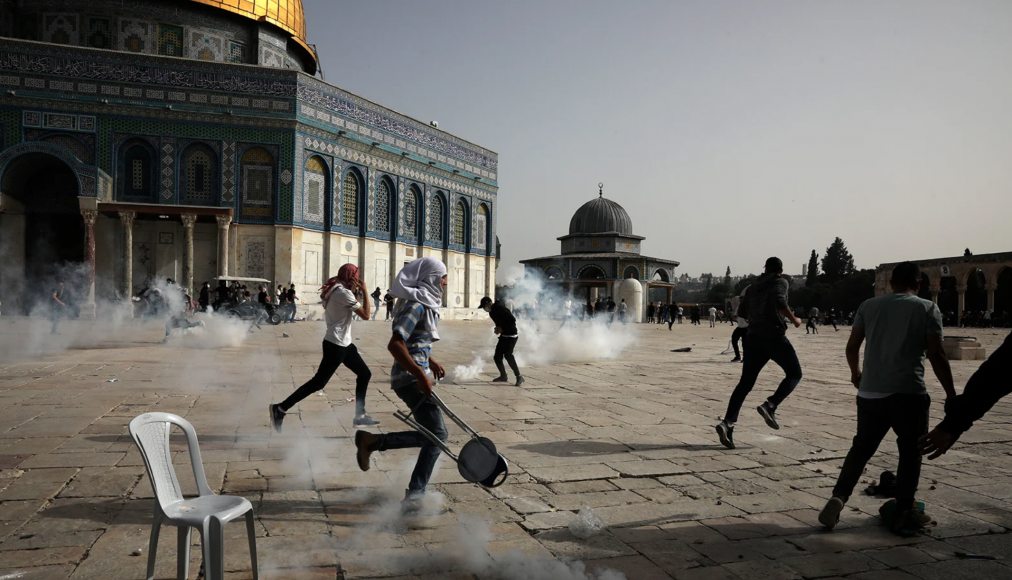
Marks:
<point>189,139</point>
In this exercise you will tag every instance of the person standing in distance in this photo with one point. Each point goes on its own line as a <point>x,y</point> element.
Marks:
<point>376,294</point>
<point>343,296</point>
<point>766,309</point>
<point>506,328</point>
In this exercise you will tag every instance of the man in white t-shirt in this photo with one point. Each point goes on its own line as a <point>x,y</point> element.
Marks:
<point>343,297</point>
<point>713,316</point>
<point>891,394</point>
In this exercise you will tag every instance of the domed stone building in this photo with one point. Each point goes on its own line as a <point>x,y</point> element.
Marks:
<point>601,257</point>
<point>186,139</point>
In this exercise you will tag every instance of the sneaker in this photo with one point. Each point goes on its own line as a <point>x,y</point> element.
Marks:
<point>502,379</point>
<point>364,419</point>
<point>365,444</point>
<point>277,416</point>
<point>736,359</point>
<point>830,515</point>
<point>767,413</point>
<point>726,434</point>
<point>520,381</point>
<point>909,523</point>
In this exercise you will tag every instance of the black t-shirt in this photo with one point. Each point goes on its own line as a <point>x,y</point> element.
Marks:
<point>262,297</point>
<point>504,319</point>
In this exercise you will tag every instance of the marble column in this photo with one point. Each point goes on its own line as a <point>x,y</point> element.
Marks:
<point>89,216</point>
<point>188,220</point>
<point>127,219</point>
<point>991,289</point>
<point>223,222</point>
<point>935,291</point>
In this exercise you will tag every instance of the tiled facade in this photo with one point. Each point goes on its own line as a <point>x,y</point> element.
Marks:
<point>271,148</point>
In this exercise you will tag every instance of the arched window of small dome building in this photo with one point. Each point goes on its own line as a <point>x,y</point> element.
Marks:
<point>631,272</point>
<point>554,273</point>
<point>591,273</point>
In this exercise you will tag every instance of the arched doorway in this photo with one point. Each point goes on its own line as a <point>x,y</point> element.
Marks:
<point>924,288</point>
<point>43,232</point>
<point>1003,298</point>
<point>976,295</point>
<point>948,300</point>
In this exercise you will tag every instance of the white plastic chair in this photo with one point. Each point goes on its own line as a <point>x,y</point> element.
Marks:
<point>206,512</point>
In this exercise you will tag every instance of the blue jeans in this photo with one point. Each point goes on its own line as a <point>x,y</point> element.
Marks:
<point>760,350</point>
<point>429,416</point>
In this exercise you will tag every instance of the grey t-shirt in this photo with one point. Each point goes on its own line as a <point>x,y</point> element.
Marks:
<point>896,328</point>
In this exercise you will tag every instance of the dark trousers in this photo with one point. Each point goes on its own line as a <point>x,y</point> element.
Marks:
<point>738,334</point>
<point>907,416</point>
<point>333,357</point>
<point>429,416</point>
<point>810,326</point>
<point>760,350</point>
<point>504,349</point>
<point>988,384</point>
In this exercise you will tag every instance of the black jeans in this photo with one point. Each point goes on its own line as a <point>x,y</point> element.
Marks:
<point>760,350</point>
<point>333,357</point>
<point>504,349</point>
<point>738,334</point>
<point>427,413</point>
<point>907,416</point>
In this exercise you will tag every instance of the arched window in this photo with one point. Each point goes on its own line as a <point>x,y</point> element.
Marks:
<point>411,211</point>
<point>631,272</point>
<point>349,198</point>
<point>314,187</point>
<point>384,193</point>
<point>459,224</point>
<point>436,218</point>
<point>257,182</point>
<point>554,273</point>
<point>480,227</point>
<point>199,182</point>
<point>591,273</point>
<point>137,171</point>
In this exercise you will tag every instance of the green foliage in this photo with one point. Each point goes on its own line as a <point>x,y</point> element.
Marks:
<point>727,277</point>
<point>837,263</point>
<point>718,294</point>
<point>813,270</point>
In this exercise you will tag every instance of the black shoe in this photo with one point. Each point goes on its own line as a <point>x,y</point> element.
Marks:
<point>277,416</point>
<point>830,514</point>
<point>726,434</point>
<point>520,381</point>
<point>736,359</point>
<point>364,419</point>
<point>502,379</point>
<point>365,444</point>
<point>768,414</point>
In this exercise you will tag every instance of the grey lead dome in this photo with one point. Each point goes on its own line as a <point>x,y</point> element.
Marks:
<point>598,216</point>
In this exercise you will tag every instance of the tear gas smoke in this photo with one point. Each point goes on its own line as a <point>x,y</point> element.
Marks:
<point>553,327</point>
<point>586,523</point>
<point>471,372</point>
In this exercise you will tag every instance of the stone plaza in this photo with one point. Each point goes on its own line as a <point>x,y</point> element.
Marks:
<point>630,437</point>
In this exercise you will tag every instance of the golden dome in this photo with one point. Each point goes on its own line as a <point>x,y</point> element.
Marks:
<point>285,14</point>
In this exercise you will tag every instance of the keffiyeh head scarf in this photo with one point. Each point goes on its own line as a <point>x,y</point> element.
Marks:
<point>421,281</point>
<point>347,276</point>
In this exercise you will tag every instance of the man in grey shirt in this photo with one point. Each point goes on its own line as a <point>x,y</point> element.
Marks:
<point>891,394</point>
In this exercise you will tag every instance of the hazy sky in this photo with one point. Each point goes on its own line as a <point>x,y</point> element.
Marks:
<point>729,130</point>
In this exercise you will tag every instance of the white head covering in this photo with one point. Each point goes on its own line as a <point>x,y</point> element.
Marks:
<point>421,281</point>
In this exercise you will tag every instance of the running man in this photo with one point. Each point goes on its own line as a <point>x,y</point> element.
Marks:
<point>891,394</point>
<point>419,292</point>
<point>506,328</point>
<point>343,296</point>
<point>765,307</point>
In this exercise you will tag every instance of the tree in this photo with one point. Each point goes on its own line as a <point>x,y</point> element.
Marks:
<point>709,282</point>
<point>813,270</point>
<point>837,263</point>
<point>727,277</point>
<point>740,286</point>
<point>717,294</point>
